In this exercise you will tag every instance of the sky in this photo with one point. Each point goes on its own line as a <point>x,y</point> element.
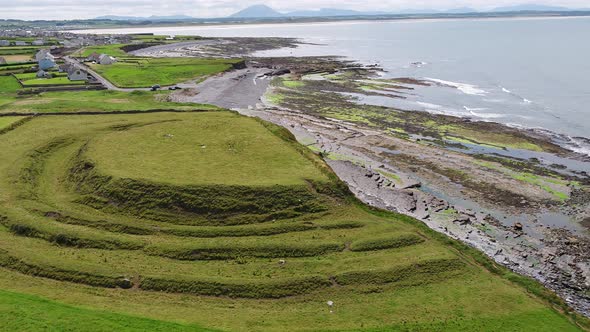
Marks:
<point>80,9</point>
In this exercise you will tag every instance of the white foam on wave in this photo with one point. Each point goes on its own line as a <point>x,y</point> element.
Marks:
<point>506,90</point>
<point>487,115</point>
<point>526,101</point>
<point>578,146</point>
<point>469,109</point>
<point>468,89</point>
<point>428,105</point>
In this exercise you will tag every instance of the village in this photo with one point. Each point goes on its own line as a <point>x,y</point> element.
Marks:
<point>38,59</point>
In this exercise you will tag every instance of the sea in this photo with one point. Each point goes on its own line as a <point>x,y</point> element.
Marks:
<point>523,72</point>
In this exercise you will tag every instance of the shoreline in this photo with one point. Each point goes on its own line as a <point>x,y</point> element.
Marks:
<point>337,21</point>
<point>366,158</point>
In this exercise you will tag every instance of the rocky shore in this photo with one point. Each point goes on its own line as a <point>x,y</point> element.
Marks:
<point>517,195</point>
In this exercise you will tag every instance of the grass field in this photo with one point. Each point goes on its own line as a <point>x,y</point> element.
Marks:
<point>112,50</point>
<point>51,81</point>
<point>144,72</point>
<point>8,88</point>
<point>20,312</point>
<point>215,220</point>
<point>19,50</point>
<point>86,101</point>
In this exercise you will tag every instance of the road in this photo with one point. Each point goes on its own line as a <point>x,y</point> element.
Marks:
<point>106,83</point>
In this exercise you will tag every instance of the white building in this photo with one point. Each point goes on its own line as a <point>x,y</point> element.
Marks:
<point>106,59</point>
<point>4,43</point>
<point>42,54</point>
<point>77,75</point>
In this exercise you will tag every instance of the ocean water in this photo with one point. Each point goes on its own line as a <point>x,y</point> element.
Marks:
<point>533,73</point>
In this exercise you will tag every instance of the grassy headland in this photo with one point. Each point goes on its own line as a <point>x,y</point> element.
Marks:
<point>196,217</point>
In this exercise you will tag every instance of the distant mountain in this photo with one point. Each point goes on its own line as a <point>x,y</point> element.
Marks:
<point>531,7</point>
<point>263,11</point>
<point>330,12</point>
<point>257,11</point>
<point>151,18</point>
<point>461,10</point>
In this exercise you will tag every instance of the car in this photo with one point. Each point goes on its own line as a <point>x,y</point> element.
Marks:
<point>155,87</point>
<point>172,88</point>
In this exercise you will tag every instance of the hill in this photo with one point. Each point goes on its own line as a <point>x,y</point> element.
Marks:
<point>191,217</point>
<point>257,11</point>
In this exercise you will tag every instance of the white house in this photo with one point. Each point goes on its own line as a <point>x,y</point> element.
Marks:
<point>20,43</point>
<point>42,54</point>
<point>4,43</point>
<point>38,42</point>
<point>77,75</point>
<point>47,62</point>
<point>105,59</point>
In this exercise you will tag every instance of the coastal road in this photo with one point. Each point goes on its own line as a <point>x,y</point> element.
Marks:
<point>236,89</point>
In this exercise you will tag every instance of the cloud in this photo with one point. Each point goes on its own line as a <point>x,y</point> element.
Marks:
<point>75,9</point>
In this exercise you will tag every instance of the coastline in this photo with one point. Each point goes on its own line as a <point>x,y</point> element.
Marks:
<point>367,158</point>
<point>333,21</point>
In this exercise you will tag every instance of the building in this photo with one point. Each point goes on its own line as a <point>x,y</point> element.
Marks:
<point>4,43</point>
<point>47,62</point>
<point>20,43</point>
<point>42,54</point>
<point>38,42</point>
<point>77,75</point>
<point>2,61</point>
<point>43,74</point>
<point>105,59</point>
<point>94,57</point>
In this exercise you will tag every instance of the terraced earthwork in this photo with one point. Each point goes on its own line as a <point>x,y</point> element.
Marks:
<point>231,212</point>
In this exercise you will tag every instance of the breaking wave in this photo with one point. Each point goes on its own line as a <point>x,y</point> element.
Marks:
<point>468,89</point>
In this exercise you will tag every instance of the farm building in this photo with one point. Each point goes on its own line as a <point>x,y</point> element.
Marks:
<point>43,74</point>
<point>105,59</point>
<point>94,57</point>
<point>4,43</point>
<point>38,42</point>
<point>77,75</point>
<point>2,61</point>
<point>20,43</point>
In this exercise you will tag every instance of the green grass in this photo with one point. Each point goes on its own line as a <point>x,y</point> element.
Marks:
<point>8,121</point>
<point>32,76</point>
<point>204,144</point>
<point>51,81</point>
<point>112,50</point>
<point>8,84</point>
<point>87,101</point>
<point>225,222</point>
<point>21,312</point>
<point>136,73</point>
<point>8,88</point>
